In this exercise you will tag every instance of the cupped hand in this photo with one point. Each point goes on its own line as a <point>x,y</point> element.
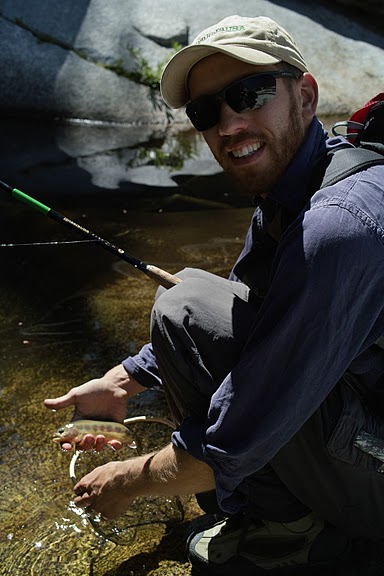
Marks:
<point>99,399</point>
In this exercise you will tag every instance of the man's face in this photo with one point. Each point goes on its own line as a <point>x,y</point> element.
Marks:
<point>256,146</point>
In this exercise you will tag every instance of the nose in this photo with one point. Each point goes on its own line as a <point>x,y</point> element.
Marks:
<point>230,121</point>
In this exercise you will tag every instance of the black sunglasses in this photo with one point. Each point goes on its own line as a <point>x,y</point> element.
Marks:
<point>246,94</point>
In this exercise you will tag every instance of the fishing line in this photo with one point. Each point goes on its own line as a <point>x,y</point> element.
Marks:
<point>57,243</point>
<point>160,276</point>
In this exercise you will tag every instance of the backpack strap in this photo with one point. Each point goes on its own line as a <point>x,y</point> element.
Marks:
<point>347,161</point>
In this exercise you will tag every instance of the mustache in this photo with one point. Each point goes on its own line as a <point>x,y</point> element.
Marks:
<point>236,139</point>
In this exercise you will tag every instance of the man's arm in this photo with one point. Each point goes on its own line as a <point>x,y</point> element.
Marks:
<point>111,488</point>
<point>323,308</point>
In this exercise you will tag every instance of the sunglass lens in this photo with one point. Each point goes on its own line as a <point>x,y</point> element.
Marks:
<point>246,94</point>
<point>251,93</point>
<point>203,113</point>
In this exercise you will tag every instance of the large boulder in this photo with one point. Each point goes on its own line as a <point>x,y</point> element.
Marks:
<point>81,58</point>
<point>93,64</point>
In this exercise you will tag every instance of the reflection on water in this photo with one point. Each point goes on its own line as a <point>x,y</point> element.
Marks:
<point>68,313</point>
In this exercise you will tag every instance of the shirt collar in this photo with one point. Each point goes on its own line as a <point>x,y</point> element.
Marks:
<point>291,189</point>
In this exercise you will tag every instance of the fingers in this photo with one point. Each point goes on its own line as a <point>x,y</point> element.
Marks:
<point>61,402</point>
<point>87,498</point>
<point>98,443</point>
<point>115,444</point>
<point>86,443</point>
<point>100,491</point>
<point>83,501</point>
<point>83,490</point>
<point>88,503</point>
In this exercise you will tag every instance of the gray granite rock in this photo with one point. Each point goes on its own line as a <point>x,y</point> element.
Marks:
<point>80,60</point>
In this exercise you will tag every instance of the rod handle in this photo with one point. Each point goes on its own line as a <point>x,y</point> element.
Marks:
<point>162,277</point>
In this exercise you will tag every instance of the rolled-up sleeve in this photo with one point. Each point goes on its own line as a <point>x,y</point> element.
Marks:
<point>143,367</point>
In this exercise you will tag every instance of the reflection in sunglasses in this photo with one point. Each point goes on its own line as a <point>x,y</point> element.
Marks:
<point>243,95</point>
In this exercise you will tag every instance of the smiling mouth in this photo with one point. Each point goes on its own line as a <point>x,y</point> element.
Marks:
<point>246,150</point>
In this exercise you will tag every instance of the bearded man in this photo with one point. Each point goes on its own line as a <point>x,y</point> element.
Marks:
<point>267,373</point>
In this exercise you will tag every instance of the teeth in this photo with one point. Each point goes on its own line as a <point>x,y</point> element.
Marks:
<point>246,150</point>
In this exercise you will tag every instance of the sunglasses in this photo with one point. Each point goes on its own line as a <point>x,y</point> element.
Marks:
<point>246,94</point>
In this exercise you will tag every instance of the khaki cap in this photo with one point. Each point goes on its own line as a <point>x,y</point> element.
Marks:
<point>258,41</point>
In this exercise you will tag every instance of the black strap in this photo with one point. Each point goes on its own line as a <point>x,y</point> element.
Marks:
<point>347,161</point>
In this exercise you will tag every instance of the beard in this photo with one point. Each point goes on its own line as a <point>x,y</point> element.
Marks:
<point>260,180</point>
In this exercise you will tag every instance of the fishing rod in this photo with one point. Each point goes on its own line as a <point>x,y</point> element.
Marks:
<point>160,276</point>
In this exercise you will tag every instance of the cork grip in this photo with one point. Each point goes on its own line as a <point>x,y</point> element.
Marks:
<point>162,277</point>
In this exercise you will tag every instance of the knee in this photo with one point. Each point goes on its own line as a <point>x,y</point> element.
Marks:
<point>166,303</point>
<point>173,307</point>
<point>186,273</point>
<point>167,318</point>
<point>170,304</point>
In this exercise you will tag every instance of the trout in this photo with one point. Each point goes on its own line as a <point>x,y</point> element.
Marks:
<point>75,431</point>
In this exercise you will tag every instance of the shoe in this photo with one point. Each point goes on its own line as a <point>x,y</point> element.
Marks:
<point>255,547</point>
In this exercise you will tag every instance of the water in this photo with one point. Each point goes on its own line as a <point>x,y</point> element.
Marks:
<point>68,313</point>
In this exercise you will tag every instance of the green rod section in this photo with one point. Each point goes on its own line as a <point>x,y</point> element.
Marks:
<point>160,276</point>
<point>30,201</point>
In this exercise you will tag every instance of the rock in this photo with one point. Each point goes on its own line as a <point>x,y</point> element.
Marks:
<point>96,62</point>
<point>80,60</point>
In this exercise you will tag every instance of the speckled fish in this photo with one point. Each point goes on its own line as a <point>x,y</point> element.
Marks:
<point>75,431</point>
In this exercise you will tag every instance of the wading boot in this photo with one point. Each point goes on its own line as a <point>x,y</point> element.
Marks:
<point>253,547</point>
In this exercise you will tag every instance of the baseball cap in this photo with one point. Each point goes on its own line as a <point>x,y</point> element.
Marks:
<point>257,41</point>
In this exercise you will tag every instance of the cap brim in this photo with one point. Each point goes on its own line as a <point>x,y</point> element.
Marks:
<point>173,84</point>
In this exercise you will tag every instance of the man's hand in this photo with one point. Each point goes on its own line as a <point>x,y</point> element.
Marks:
<point>102,398</point>
<point>111,488</point>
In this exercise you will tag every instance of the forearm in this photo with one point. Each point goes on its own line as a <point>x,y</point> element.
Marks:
<point>110,489</point>
<point>172,471</point>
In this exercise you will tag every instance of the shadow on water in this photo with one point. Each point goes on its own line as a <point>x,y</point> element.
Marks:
<point>68,313</point>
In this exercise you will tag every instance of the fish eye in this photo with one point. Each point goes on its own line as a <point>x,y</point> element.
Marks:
<point>61,430</point>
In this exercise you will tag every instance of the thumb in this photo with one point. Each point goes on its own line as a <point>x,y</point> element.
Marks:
<point>61,402</point>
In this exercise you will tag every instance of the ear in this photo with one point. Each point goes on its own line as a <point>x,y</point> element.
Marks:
<point>309,95</point>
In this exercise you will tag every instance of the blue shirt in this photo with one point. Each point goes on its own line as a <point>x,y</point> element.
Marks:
<point>321,314</point>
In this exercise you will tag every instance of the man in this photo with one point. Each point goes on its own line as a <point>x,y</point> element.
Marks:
<point>268,374</point>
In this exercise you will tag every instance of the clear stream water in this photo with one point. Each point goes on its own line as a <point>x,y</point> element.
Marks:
<point>68,313</point>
